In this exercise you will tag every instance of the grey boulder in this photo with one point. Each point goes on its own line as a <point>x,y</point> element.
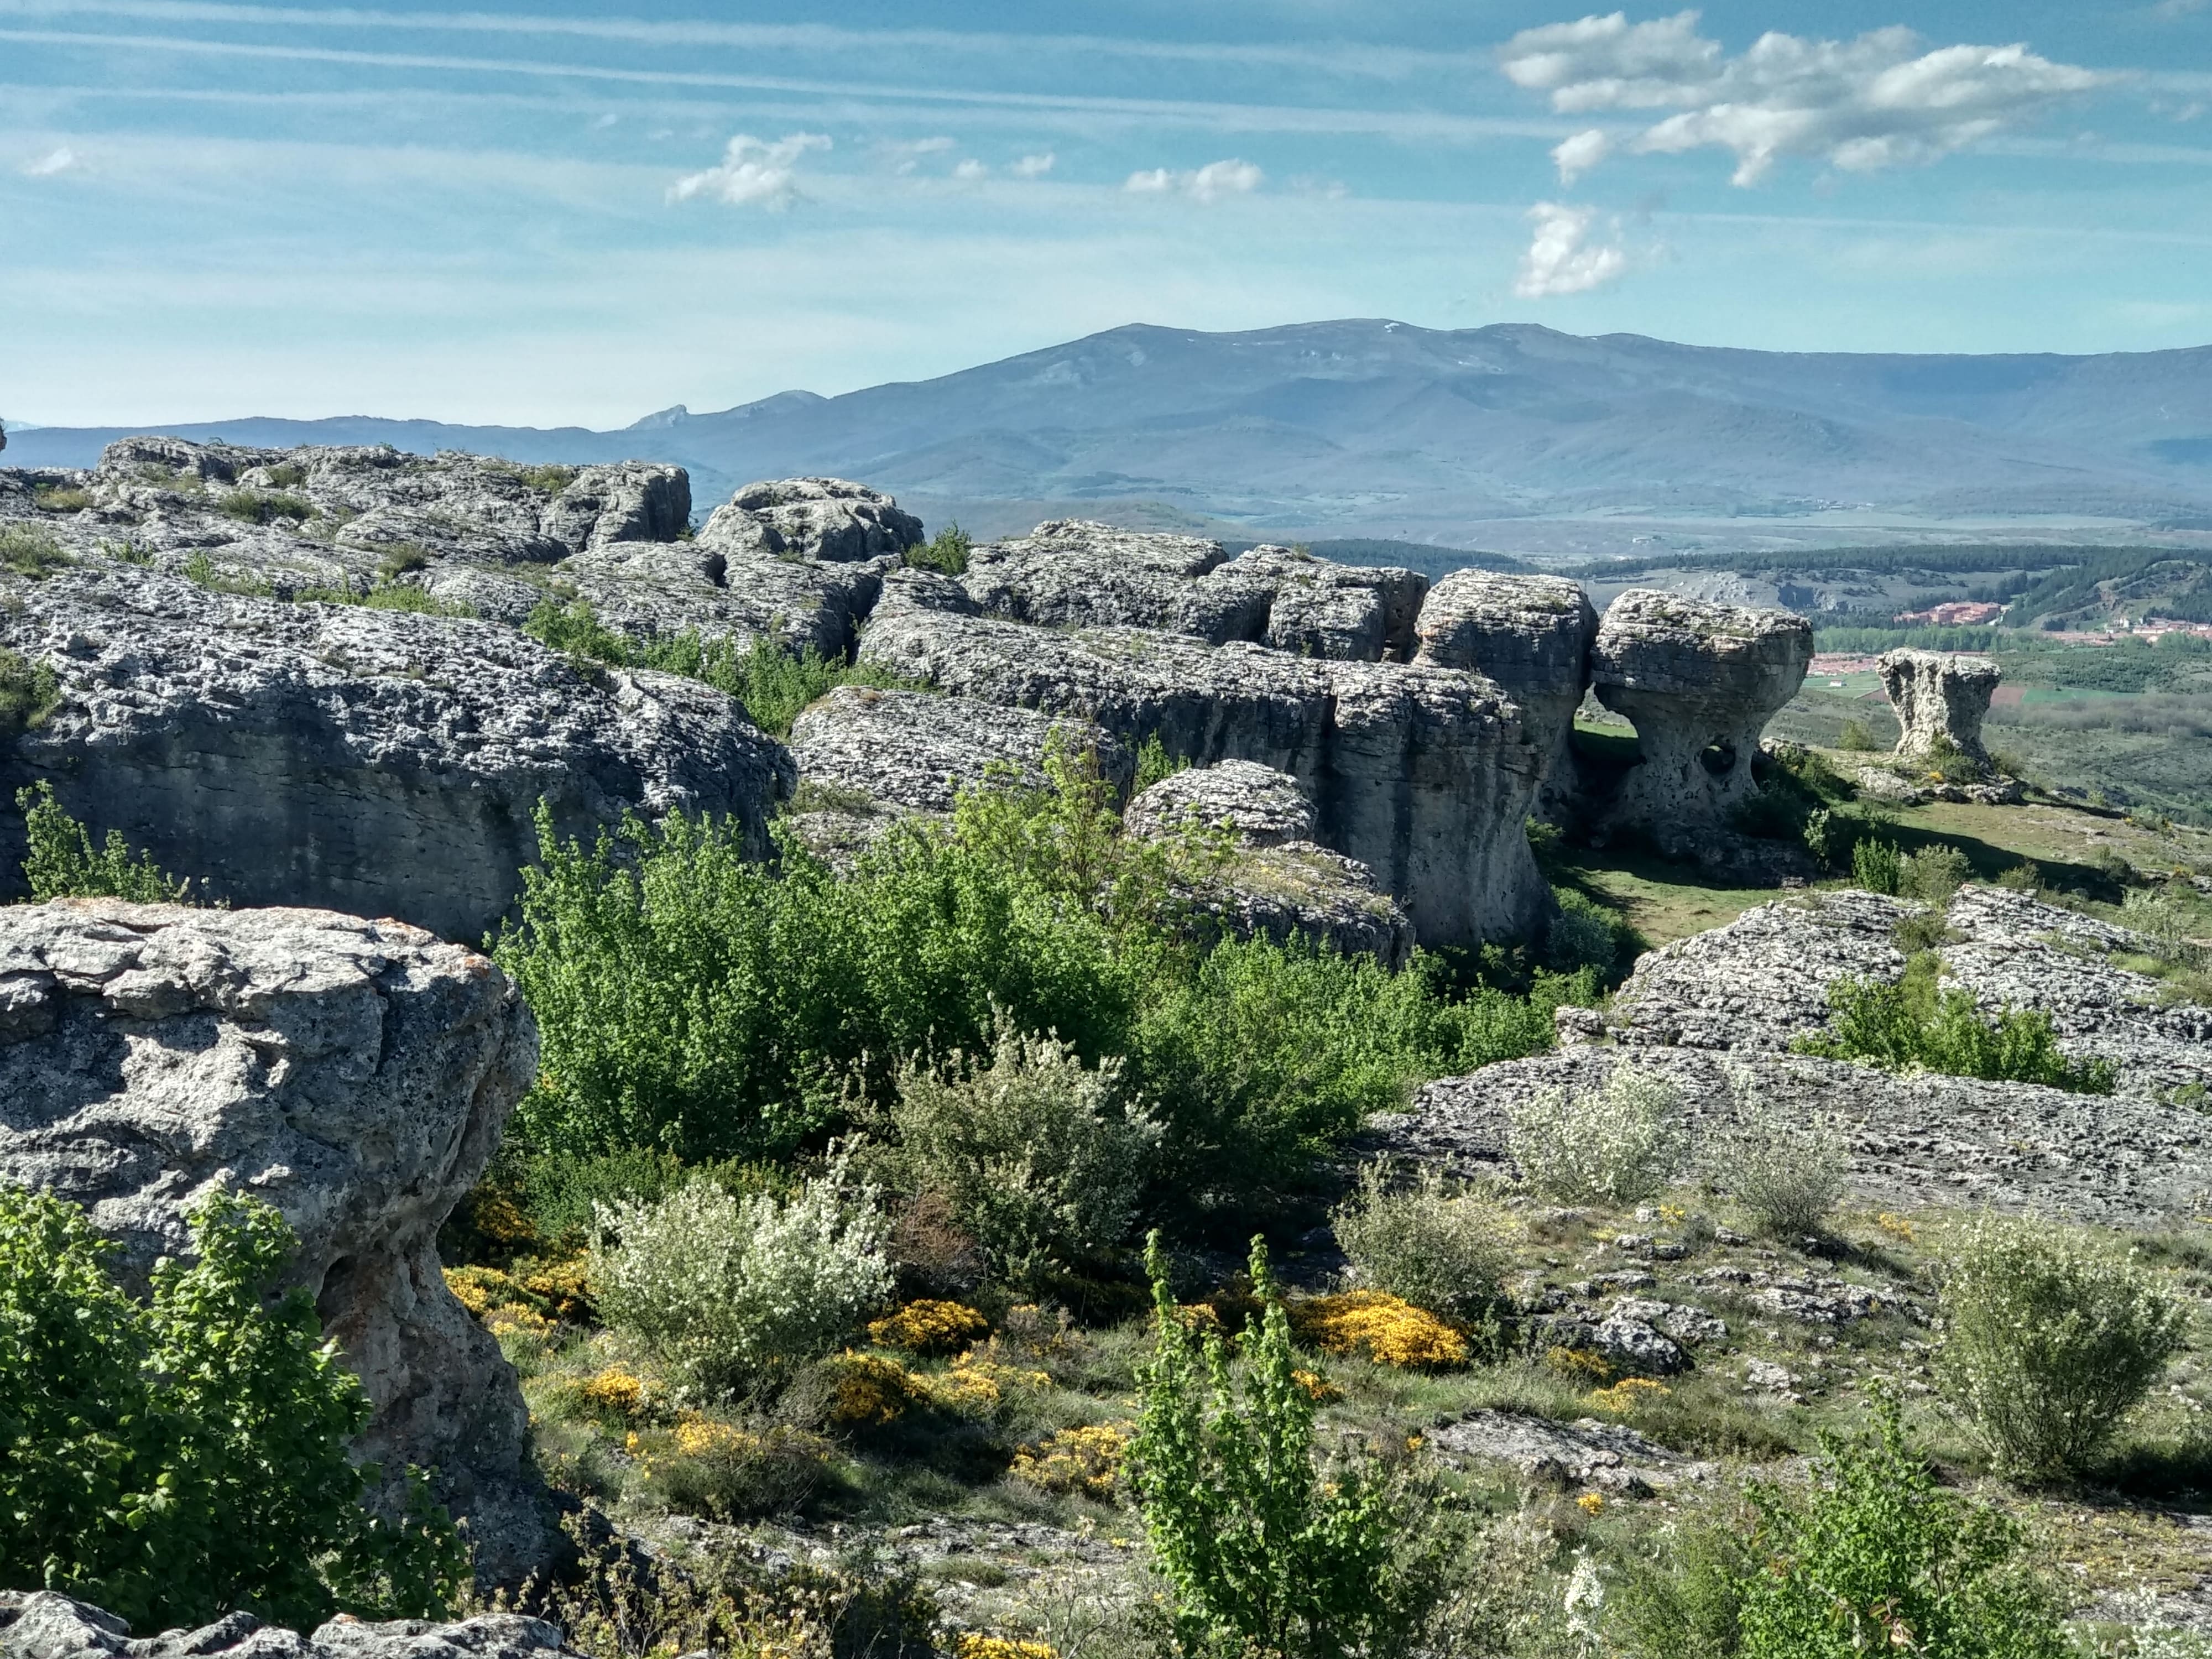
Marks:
<point>1941,702</point>
<point>1533,635</point>
<point>42,1625</point>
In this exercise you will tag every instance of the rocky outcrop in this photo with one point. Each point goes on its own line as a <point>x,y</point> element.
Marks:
<point>373,761</point>
<point>1699,681</point>
<point>1316,608</point>
<point>1257,873</point>
<point>1421,773</point>
<point>915,752</point>
<point>1941,702</point>
<point>355,1074</point>
<point>41,1624</point>
<point>826,519</point>
<point>1533,635</point>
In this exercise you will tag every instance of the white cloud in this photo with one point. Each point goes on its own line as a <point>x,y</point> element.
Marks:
<point>754,171</point>
<point>1577,155</point>
<point>907,155</point>
<point>1034,167</point>
<point>1877,102</point>
<point>606,121</point>
<point>58,160</point>
<point>1562,259</point>
<point>1207,184</point>
<point>971,169</point>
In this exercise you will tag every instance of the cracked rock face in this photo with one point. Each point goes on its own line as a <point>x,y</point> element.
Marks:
<point>42,1625</point>
<point>1533,635</point>
<point>373,761</point>
<point>1421,773</point>
<point>827,520</point>
<point>355,1074</point>
<point>1941,701</point>
<point>915,751</point>
<point>1699,681</point>
<point>1261,806</point>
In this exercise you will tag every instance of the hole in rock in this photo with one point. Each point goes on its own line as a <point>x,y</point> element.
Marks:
<point>1718,757</point>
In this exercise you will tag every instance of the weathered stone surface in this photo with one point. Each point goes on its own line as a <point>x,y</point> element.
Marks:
<point>914,751</point>
<point>1941,701</point>
<point>657,590</point>
<point>819,519</point>
<point>1071,573</point>
<point>41,1624</point>
<point>356,1074</point>
<point>1530,634</point>
<point>1298,890</point>
<point>1261,806</point>
<point>1317,608</point>
<point>1422,773</point>
<point>1699,681</point>
<point>373,761</point>
<point>1610,1456</point>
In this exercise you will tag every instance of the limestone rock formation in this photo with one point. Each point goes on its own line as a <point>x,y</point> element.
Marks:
<point>42,1625</point>
<point>1941,702</point>
<point>373,761</point>
<point>914,751</point>
<point>821,518</point>
<point>1423,774</point>
<point>1533,635</point>
<point>355,1074</point>
<point>1699,681</point>
<point>1260,806</point>
<point>1316,608</point>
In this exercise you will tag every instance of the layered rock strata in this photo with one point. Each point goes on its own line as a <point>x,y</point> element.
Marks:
<point>369,761</point>
<point>1699,682</point>
<point>1421,773</point>
<point>355,1074</point>
<point>1533,635</point>
<point>1941,702</point>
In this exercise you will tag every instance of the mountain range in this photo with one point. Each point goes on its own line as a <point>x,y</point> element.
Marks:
<point>1512,437</point>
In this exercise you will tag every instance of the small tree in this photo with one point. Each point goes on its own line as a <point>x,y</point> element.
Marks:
<point>1435,1248</point>
<point>1266,1556</point>
<point>2049,1338</point>
<point>1787,1172</point>
<point>1618,1144</point>
<point>62,862</point>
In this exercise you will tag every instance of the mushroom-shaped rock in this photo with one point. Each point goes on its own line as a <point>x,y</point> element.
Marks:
<point>1260,806</point>
<point>914,751</point>
<point>368,761</point>
<point>355,1074</point>
<point>1941,702</point>
<point>1530,634</point>
<point>1699,681</point>
<point>826,519</point>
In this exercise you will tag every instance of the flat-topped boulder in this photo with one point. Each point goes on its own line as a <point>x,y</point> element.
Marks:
<point>1317,608</point>
<point>828,520</point>
<point>355,1074</point>
<point>1258,805</point>
<point>1533,635</point>
<point>915,751</point>
<point>1941,701</point>
<point>1422,773</point>
<point>1071,573</point>
<point>374,762</point>
<point>1699,681</point>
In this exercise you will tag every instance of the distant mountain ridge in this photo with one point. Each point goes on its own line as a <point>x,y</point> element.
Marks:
<point>1492,436</point>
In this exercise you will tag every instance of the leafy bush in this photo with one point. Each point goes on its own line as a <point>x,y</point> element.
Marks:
<point>1437,1248</point>
<point>1876,866</point>
<point>1856,738</point>
<point>1041,1158</point>
<point>2048,1339</point>
<point>286,475</point>
<point>178,1459</point>
<point>947,551</point>
<point>725,1472</point>
<point>1383,1330</point>
<point>30,551</point>
<point>2165,925</point>
<point>61,498</point>
<point>729,1294</point>
<point>1915,1023</point>
<point>29,693</point>
<point>1583,934</point>
<point>1874,1556</point>
<point>1267,1554</point>
<point>258,507</point>
<point>62,862</point>
<point>1933,874</point>
<point>200,570</point>
<point>925,1326</point>
<point>1787,1172</point>
<point>1618,1144</point>
<point>1155,764</point>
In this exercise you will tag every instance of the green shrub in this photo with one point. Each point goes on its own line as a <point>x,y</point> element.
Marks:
<point>61,498</point>
<point>1155,764</point>
<point>286,475</point>
<point>1786,1169</point>
<point>1875,1556</point>
<point>400,559</point>
<point>1856,738</point>
<point>258,507</point>
<point>2048,1338</point>
<point>176,1460</point>
<point>1618,1144</point>
<point>62,862</point>
<point>947,551</point>
<point>1828,836</point>
<point>29,551</point>
<point>1933,874</point>
<point>575,627</point>
<point>1039,1158</point>
<point>200,570</point>
<point>1428,1244</point>
<point>1583,934</point>
<point>1268,1554</point>
<point>1915,1023</point>
<point>29,693</point>
<point>1876,866</point>
<point>2165,926</point>
<point>730,1293</point>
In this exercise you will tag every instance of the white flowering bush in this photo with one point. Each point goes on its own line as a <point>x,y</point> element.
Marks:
<point>728,1293</point>
<point>1616,1144</point>
<point>2050,1337</point>
<point>1428,1244</point>
<point>1037,1156</point>
<point>1786,1171</point>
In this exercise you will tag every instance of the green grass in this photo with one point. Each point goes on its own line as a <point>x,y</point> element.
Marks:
<point>61,498</point>
<point>259,507</point>
<point>29,550</point>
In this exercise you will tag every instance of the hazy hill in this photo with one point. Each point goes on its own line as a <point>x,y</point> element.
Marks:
<point>1474,437</point>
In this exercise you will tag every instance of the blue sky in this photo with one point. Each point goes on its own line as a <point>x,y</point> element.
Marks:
<point>564,212</point>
